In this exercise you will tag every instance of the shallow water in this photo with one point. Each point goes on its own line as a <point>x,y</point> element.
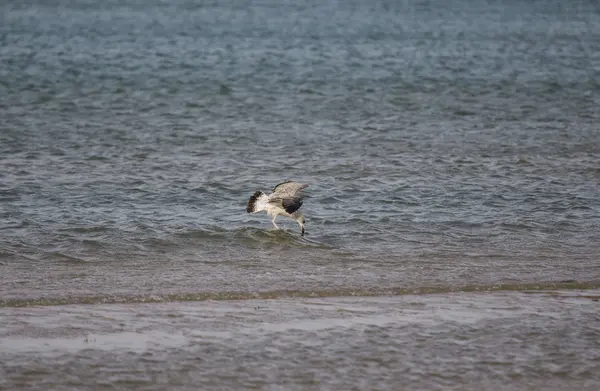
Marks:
<point>469,341</point>
<point>448,147</point>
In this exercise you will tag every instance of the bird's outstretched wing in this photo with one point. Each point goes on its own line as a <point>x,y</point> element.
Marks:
<point>288,189</point>
<point>288,195</point>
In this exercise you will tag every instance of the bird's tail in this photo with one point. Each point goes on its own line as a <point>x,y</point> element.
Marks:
<point>257,202</point>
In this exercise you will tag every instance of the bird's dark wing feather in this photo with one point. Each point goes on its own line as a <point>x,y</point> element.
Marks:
<point>289,204</point>
<point>292,204</point>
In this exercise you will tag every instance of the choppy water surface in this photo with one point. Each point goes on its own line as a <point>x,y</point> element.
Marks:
<point>448,147</point>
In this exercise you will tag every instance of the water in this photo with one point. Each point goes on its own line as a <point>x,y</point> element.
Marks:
<point>495,341</point>
<point>448,148</point>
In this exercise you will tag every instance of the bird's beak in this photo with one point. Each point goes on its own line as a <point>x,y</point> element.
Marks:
<point>302,231</point>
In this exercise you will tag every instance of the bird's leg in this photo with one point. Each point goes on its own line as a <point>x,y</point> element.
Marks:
<point>273,221</point>
<point>301,229</point>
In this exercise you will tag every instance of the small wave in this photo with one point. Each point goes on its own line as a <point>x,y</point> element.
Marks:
<point>82,245</point>
<point>63,257</point>
<point>209,232</point>
<point>252,235</point>
<point>523,161</point>
<point>86,230</point>
<point>287,294</point>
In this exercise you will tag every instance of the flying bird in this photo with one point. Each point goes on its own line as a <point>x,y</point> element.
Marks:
<point>285,200</point>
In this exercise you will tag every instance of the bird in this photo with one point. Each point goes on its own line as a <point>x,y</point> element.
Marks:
<point>285,200</point>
